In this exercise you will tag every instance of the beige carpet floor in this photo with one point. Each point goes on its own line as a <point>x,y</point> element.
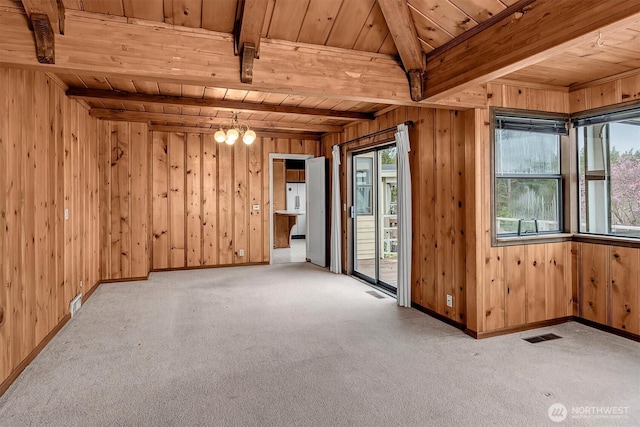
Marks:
<point>293,345</point>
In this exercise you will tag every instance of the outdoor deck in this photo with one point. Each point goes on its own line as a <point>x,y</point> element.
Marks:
<point>388,269</point>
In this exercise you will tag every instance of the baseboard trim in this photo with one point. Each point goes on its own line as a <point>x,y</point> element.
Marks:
<point>22,366</point>
<point>90,292</point>
<point>438,316</point>
<point>126,279</point>
<point>607,328</point>
<point>200,267</point>
<point>519,328</point>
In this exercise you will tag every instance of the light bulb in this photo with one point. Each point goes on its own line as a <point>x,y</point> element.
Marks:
<point>249,137</point>
<point>232,134</point>
<point>220,136</point>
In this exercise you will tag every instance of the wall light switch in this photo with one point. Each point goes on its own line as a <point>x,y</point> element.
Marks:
<point>256,207</point>
<point>66,213</point>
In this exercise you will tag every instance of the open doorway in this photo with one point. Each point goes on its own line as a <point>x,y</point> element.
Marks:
<point>375,216</point>
<point>288,216</point>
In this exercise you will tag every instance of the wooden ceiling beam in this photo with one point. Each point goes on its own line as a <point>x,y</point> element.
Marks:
<point>405,37</point>
<point>262,134</point>
<point>237,106</point>
<point>54,9</point>
<point>188,120</point>
<point>248,31</point>
<point>156,51</point>
<point>533,33</point>
<point>46,18</point>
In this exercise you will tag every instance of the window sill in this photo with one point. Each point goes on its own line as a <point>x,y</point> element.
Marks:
<point>532,240</point>
<point>607,240</point>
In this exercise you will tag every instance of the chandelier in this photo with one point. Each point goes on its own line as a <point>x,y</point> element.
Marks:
<point>235,131</point>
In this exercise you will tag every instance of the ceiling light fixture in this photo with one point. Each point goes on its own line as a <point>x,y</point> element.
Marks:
<point>234,131</point>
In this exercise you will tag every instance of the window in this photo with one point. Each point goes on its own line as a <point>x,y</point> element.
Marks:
<point>527,192</point>
<point>364,185</point>
<point>609,173</point>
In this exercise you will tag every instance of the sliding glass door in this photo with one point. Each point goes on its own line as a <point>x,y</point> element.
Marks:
<point>375,221</point>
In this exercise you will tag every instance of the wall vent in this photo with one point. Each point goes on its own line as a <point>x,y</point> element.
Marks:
<point>375,294</point>
<point>75,305</point>
<point>541,338</point>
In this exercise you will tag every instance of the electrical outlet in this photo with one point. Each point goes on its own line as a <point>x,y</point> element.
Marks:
<point>240,252</point>
<point>80,283</point>
<point>449,301</point>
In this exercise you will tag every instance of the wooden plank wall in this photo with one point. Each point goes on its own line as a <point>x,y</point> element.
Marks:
<point>124,170</point>
<point>48,159</point>
<point>608,279</point>
<point>514,285</point>
<point>437,159</point>
<point>607,93</point>
<point>202,199</point>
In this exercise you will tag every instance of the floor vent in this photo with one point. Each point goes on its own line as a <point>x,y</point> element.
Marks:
<point>541,338</point>
<point>375,294</point>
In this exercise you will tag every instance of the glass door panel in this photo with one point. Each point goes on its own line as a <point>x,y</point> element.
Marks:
<point>375,216</point>
<point>365,215</point>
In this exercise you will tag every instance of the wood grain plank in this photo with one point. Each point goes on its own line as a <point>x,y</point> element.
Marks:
<point>625,282</point>
<point>556,298</point>
<point>226,204</point>
<point>28,215</point>
<point>458,207</point>
<point>287,18</point>
<point>594,273</point>
<point>187,13</point>
<point>5,290</point>
<point>427,186</point>
<point>194,200</point>
<point>219,15</point>
<point>209,200</point>
<point>104,129</point>
<point>160,207</point>
<point>151,10</point>
<point>177,220</point>
<point>240,184</point>
<point>535,275</point>
<point>318,21</point>
<point>268,146</point>
<point>255,198</point>
<point>349,22</point>
<point>120,199</point>
<point>42,284</point>
<point>444,221</point>
<point>139,200</point>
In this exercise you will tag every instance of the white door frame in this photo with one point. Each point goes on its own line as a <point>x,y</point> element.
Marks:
<point>273,156</point>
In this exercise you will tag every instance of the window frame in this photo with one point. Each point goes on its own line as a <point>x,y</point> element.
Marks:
<point>369,185</point>
<point>563,179</point>
<point>580,122</point>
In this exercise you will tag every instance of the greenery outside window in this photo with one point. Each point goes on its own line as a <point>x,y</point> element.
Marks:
<point>527,187</point>
<point>609,173</point>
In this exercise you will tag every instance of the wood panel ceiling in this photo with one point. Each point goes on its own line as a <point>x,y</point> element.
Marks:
<point>349,24</point>
<point>358,25</point>
<point>603,56</point>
